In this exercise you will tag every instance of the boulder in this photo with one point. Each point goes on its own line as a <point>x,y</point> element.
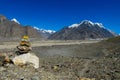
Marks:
<point>25,59</point>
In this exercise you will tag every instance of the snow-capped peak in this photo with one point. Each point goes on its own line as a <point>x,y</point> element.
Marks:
<point>15,20</point>
<point>83,22</point>
<point>86,22</point>
<point>45,31</point>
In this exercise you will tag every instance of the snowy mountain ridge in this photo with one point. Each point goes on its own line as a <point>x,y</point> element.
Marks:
<point>41,30</point>
<point>44,30</point>
<point>87,22</point>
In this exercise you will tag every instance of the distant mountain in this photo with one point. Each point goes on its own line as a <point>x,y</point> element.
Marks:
<point>85,30</point>
<point>12,29</point>
<point>44,32</point>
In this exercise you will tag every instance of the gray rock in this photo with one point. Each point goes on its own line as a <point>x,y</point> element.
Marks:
<point>2,69</point>
<point>25,59</point>
<point>35,78</point>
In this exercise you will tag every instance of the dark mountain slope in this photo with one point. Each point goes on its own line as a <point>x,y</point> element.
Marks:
<point>84,30</point>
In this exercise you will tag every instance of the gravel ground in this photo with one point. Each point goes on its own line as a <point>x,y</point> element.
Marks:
<point>51,68</point>
<point>66,62</point>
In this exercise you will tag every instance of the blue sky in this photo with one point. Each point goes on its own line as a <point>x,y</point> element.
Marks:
<point>55,14</point>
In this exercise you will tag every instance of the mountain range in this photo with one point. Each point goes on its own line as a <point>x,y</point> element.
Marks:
<point>12,29</point>
<point>84,30</point>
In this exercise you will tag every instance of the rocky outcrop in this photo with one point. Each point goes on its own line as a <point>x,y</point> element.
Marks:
<point>26,59</point>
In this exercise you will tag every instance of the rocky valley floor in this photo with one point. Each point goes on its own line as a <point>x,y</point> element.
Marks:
<point>96,61</point>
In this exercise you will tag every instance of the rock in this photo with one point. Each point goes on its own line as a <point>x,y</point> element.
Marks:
<point>25,59</point>
<point>35,78</point>
<point>2,69</point>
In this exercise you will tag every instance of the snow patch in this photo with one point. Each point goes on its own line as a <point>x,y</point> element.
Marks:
<point>73,25</point>
<point>36,28</point>
<point>93,23</point>
<point>99,24</point>
<point>15,20</point>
